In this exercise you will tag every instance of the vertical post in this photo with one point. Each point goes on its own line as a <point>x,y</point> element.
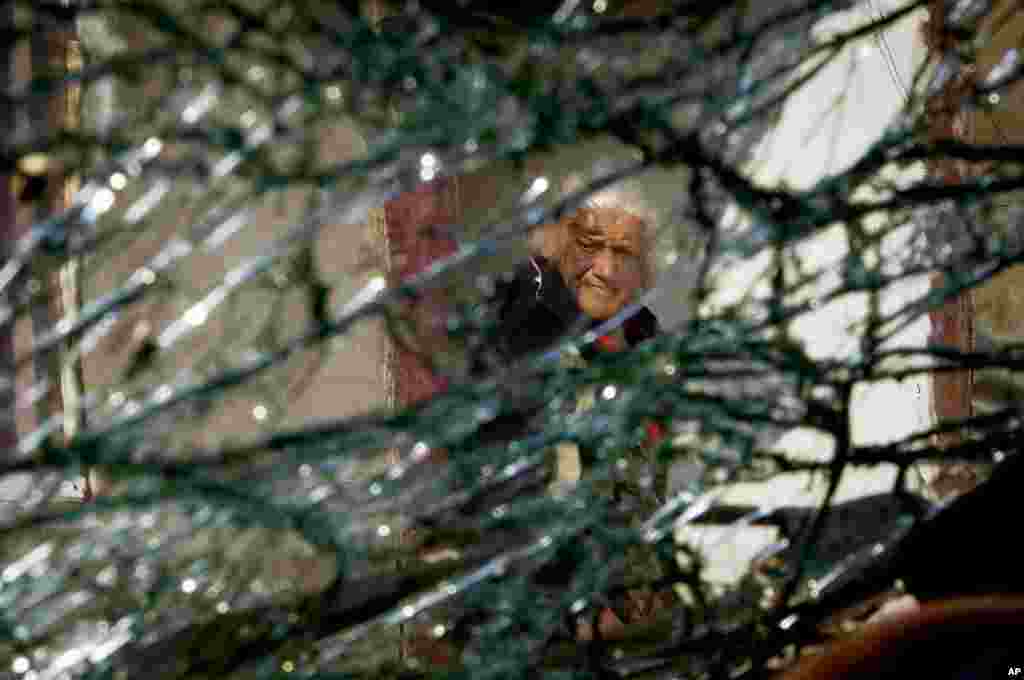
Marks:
<point>56,52</point>
<point>953,322</point>
<point>68,274</point>
<point>8,235</point>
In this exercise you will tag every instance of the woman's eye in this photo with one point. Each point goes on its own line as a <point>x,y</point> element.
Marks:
<point>588,246</point>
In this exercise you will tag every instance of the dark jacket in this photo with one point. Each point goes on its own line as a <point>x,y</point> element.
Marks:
<point>536,308</point>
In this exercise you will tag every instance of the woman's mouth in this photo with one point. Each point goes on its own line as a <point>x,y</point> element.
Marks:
<point>598,287</point>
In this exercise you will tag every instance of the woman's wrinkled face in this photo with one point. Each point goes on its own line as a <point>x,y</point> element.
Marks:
<point>603,260</point>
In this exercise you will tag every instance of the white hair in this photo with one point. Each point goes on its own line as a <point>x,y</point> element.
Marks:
<point>625,196</point>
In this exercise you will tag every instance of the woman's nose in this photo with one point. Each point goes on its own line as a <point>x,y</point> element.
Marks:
<point>604,264</point>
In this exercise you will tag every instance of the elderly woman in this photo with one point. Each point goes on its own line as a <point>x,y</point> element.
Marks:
<point>583,270</point>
